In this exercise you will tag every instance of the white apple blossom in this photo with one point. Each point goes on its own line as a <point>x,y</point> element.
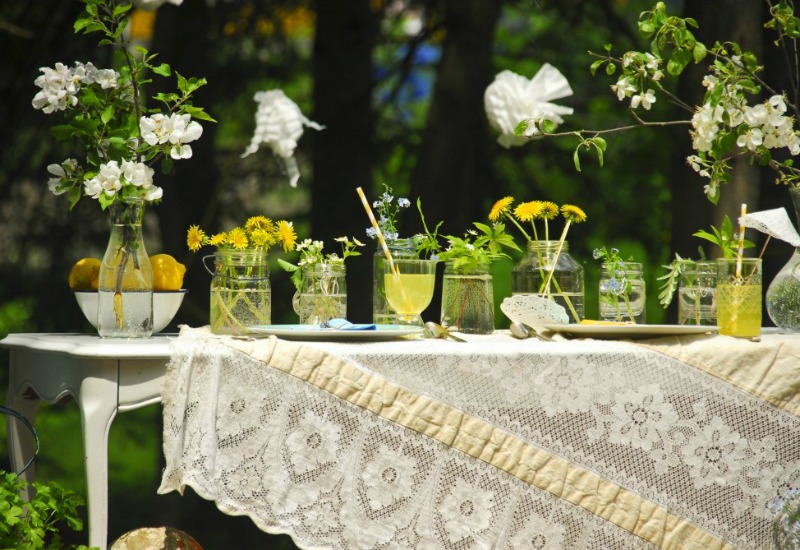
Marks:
<point>182,130</point>
<point>623,88</point>
<point>751,139</point>
<point>108,180</point>
<point>150,5</point>
<point>646,100</point>
<point>153,129</point>
<point>62,172</point>
<point>58,89</point>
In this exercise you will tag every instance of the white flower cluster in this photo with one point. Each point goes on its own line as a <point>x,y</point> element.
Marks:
<point>176,129</point>
<point>113,176</point>
<point>311,252</point>
<point>60,85</point>
<point>763,125</point>
<point>638,67</point>
<point>63,173</point>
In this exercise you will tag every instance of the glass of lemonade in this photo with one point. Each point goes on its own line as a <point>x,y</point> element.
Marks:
<point>739,297</point>
<point>409,288</point>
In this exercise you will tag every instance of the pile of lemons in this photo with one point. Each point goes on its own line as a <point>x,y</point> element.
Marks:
<point>167,273</point>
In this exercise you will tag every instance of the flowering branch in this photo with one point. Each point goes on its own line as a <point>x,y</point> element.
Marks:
<point>726,124</point>
<point>103,111</point>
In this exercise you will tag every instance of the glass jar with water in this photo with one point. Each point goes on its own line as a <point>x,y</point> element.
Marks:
<point>323,293</point>
<point>552,273</point>
<point>241,296</point>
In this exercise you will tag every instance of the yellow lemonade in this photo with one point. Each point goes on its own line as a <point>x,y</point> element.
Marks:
<point>409,294</point>
<point>739,310</point>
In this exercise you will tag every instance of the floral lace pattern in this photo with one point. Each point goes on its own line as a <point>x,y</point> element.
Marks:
<point>300,460</point>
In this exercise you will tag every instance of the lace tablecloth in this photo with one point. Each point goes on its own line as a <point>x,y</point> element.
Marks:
<point>494,443</point>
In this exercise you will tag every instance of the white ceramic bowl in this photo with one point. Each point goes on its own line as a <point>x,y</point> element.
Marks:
<point>165,306</point>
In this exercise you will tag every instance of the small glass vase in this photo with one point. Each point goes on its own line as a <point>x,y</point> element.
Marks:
<point>783,294</point>
<point>241,296</point>
<point>125,280</point>
<point>560,278</point>
<point>697,296</point>
<point>382,313</point>
<point>322,295</point>
<point>622,293</point>
<point>468,299</point>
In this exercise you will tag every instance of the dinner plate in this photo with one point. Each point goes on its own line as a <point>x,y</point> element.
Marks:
<point>314,332</point>
<point>630,331</point>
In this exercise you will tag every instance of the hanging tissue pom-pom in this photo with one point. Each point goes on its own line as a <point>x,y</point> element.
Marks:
<point>512,98</point>
<point>279,124</point>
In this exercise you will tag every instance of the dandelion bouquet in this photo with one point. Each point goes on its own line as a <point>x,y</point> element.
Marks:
<point>547,270</point>
<point>240,289</point>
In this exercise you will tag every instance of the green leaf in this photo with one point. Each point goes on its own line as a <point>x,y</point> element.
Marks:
<point>166,164</point>
<point>163,69</point>
<point>547,126</point>
<point>521,128</point>
<point>107,114</point>
<point>611,69</point>
<point>678,62</point>
<point>595,65</point>
<point>576,159</point>
<point>197,112</point>
<point>699,52</point>
<point>62,132</point>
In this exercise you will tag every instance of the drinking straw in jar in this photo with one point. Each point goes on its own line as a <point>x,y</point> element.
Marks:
<point>740,252</point>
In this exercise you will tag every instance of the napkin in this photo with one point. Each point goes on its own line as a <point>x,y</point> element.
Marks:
<point>774,222</point>
<point>512,98</point>
<point>344,324</point>
<point>534,311</point>
<point>279,124</point>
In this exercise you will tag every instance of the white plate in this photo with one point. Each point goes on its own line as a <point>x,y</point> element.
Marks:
<point>313,332</point>
<point>631,331</point>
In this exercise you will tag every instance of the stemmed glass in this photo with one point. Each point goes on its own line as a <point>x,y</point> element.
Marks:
<point>409,288</point>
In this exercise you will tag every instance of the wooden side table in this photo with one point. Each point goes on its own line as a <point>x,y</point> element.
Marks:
<point>104,376</point>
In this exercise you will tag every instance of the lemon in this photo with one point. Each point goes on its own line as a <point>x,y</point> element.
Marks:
<point>167,272</point>
<point>84,274</point>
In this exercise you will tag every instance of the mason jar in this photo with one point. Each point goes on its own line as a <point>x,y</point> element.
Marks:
<point>323,293</point>
<point>548,272</point>
<point>241,295</point>
<point>697,295</point>
<point>622,292</point>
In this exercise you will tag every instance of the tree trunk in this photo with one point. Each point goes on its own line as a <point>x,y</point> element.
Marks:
<point>342,153</point>
<point>453,159</point>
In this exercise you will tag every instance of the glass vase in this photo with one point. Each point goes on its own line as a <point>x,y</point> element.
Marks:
<point>545,271</point>
<point>322,295</point>
<point>622,292</point>
<point>125,280</point>
<point>783,294</point>
<point>382,313</point>
<point>241,296</point>
<point>467,300</point>
<point>697,301</point>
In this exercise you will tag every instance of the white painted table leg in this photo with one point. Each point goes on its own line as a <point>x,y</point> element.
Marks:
<point>20,439</point>
<point>98,404</point>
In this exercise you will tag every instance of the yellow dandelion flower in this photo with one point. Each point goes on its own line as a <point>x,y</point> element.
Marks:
<point>549,210</point>
<point>217,239</point>
<point>528,211</point>
<point>500,208</point>
<point>261,238</point>
<point>195,238</point>
<point>258,222</point>
<point>286,235</point>
<point>573,214</point>
<point>237,238</point>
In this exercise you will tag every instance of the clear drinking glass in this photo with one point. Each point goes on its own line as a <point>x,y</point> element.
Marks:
<point>697,295</point>
<point>409,288</point>
<point>739,297</point>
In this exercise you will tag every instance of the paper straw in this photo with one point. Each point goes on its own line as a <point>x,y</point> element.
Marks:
<point>377,228</point>
<point>740,252</point>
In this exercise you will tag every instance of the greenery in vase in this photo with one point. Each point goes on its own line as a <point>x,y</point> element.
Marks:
<point>723,238</point>
<point>35,524</point>
<point>786,524</point>
<point>732,121</point>
<point>617,286</point>
<point>241,287</point>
